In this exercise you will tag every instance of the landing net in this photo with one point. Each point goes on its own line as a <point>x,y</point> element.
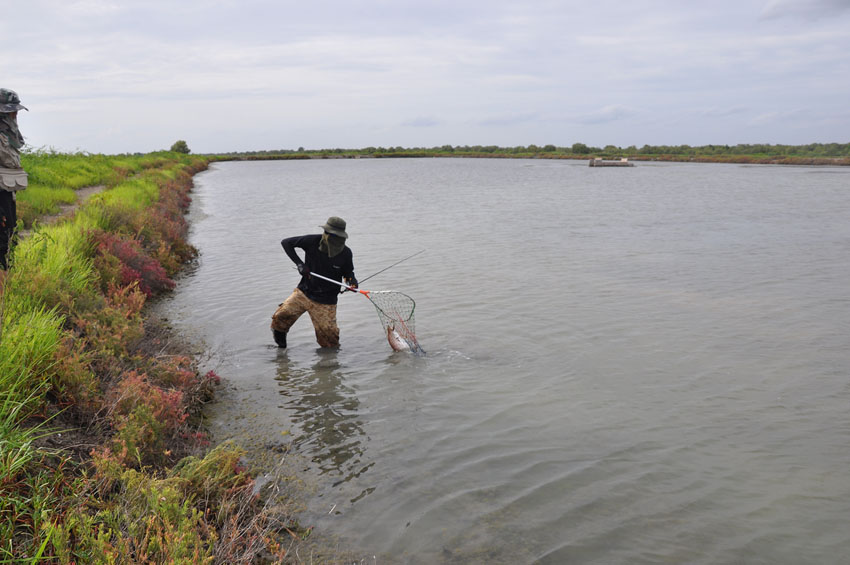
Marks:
<point>395,309</point>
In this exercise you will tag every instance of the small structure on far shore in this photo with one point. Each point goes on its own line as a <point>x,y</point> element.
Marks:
<point>600,162</point>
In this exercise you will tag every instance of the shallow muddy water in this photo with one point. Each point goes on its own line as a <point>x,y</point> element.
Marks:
<point>625,365</point>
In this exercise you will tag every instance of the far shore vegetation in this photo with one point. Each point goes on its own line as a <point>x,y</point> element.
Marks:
<point>811,154</point>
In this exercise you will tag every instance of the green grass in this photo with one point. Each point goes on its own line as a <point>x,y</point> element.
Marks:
<point>27,348</point>
<point>55,177</point>
<point>39,200</point>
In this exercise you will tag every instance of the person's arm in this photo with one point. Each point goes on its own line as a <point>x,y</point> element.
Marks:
<point>348,275</point>
<point>289,244</point>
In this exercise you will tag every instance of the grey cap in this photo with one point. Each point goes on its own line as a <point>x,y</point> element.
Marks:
<point>336,226</point>
<point>10,101</point>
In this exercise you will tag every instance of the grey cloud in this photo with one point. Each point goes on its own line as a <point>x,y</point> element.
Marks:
<point>607,114</point>
<point>780,116</point>
<point>805,9</point>
<point>507,120</point>
<point>336,73</point>
<point>421,122</point>
<point>723,112</point>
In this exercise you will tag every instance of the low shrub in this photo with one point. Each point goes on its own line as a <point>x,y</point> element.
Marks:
<point>204,510</point>
<point>134,265</point>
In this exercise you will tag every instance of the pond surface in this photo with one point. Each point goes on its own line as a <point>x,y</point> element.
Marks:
<point>625,365</point>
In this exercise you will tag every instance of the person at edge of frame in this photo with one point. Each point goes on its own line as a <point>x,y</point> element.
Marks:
<point>12,177</point>
<point>325,254</point>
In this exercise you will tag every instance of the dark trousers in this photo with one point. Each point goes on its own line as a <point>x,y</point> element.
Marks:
<point>8,220</point>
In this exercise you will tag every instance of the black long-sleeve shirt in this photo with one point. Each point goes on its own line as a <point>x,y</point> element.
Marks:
<point>337,267</point>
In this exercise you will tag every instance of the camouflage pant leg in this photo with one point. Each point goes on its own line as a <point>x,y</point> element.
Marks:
<point>324,322</point>
<point>322,315</point>
<point>289,311</point>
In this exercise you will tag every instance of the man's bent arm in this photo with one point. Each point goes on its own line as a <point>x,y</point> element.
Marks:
<point>288,245</point>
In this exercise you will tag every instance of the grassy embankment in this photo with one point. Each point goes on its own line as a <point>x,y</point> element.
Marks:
<point>100,445</point>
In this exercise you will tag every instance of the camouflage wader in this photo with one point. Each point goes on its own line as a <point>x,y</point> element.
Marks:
<point>322,315</point>
<point>12,177</point>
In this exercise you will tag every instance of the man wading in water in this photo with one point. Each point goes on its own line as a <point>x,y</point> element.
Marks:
<point>324,254</point>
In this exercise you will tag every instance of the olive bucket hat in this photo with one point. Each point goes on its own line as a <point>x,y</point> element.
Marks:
<point>10,101</point>
<point>336,226</point>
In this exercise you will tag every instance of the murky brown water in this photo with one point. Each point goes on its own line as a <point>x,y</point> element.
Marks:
<point>644,365</point>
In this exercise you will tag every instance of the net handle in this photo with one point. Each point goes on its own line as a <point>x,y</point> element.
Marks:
<point>343,285</point>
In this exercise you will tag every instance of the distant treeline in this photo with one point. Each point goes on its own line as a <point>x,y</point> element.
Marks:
<point>813,153</point>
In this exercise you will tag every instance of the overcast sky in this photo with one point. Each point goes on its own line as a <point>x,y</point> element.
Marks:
<point>117,76</point>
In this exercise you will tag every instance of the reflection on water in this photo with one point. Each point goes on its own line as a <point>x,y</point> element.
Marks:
<point>325,410</point>
<point>624,366</point>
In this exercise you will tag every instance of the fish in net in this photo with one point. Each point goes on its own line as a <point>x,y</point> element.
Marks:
<point>395,310</point>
